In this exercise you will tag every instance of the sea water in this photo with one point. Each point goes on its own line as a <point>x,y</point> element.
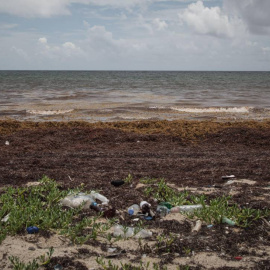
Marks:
<point>134,95</point>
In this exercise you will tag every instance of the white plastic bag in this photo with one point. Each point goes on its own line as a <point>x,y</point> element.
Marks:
<point>76,200</point>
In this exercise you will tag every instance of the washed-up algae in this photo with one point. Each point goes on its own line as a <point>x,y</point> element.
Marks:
<point>187,130</point>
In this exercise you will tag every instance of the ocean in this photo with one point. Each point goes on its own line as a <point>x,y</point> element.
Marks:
<point>134,95</point>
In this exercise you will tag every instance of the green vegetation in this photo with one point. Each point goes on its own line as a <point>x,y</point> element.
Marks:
<point>128,266</point>
<point>213,211</point>
<point>39,206</point>
<point>33,265</point>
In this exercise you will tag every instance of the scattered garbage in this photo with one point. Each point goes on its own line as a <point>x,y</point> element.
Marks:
<point>7,143</point>
<point>32,229</point>
<point>117,183</point>
<point>111,250</point>
<point>197,226</point>
<point>89,200</point>
<point>228,221</point>
<point>226,177</point>
<point>162,210</point>
<point>133,209</point>
<point>229,182</point>
<point>148,217</point>
<point>186,208</point>
<point>210,226</point>
<point>146,208</point>
<point>95,207</point>
<point>238,258</point>
<point>58,267</point>
<point>127,232</point>
<point>5,219</point>
<point>99,197</point>
<point>168,205</point>
<point>76,200</point>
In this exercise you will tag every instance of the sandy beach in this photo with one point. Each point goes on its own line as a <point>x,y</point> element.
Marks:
<point>190,155</point>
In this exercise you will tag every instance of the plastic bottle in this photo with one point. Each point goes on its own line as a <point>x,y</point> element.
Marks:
<point>134,209</point>
<point>162,210</point>
<point>95,207</point>
<point>99,197</point>
<point>186,208</point>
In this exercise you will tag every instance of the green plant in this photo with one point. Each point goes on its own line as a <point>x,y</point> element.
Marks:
<point>33,265</point>
<point>21,205</point>
<point>127,266</point>
<point>128,179</point>
<point>45,259</point>
<point>214,212</point>
<point>165,242</point>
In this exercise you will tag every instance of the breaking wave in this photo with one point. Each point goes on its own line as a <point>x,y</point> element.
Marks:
<point>213,109</point>
<point>48,112</point>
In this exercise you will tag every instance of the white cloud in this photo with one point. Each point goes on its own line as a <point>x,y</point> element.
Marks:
<point>266,50</point>
<point>34,8</point>
<point>256,13</point>
<point>210,21</point>
<point>69,46</point>
<point>67,49</point>
<point>42,40</point>
<point>160,24</point>
<point>48,8</point>
<point>20,52</point>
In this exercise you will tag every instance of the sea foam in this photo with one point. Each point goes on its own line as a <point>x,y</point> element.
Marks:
<point>213,109</point>
<point>48,112</point>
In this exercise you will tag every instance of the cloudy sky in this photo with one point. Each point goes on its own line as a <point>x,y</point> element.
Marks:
<point>135,34</point>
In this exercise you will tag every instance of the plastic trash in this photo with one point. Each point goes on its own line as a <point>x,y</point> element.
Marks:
<point>229,182</point>
<point>95,195</point>
<point>127,232</point>
<point>95,207</point>
<point>5,219</point>
<point>58,267</point>
<point>162,210</point>
<point>168,205</point>
<point>32,229</point>
<point>134,209</point>
<point>186,208</point>
<point>145,207</point>
<point>76,200</point>
<point>228,221</point>
<point>227,177</point>
<point>238,258</point>
<point>117,183</point>
<point>197,226</point>
<point>7,143</point>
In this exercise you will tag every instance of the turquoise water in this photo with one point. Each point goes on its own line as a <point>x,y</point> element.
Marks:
<point>133,95</point>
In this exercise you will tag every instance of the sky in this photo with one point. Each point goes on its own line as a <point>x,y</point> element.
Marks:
<point>135,35</point>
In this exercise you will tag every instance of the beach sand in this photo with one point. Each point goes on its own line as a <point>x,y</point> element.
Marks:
<point>189,155</point>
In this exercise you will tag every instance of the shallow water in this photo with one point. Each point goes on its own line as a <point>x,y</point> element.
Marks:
<point>133,95</point>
